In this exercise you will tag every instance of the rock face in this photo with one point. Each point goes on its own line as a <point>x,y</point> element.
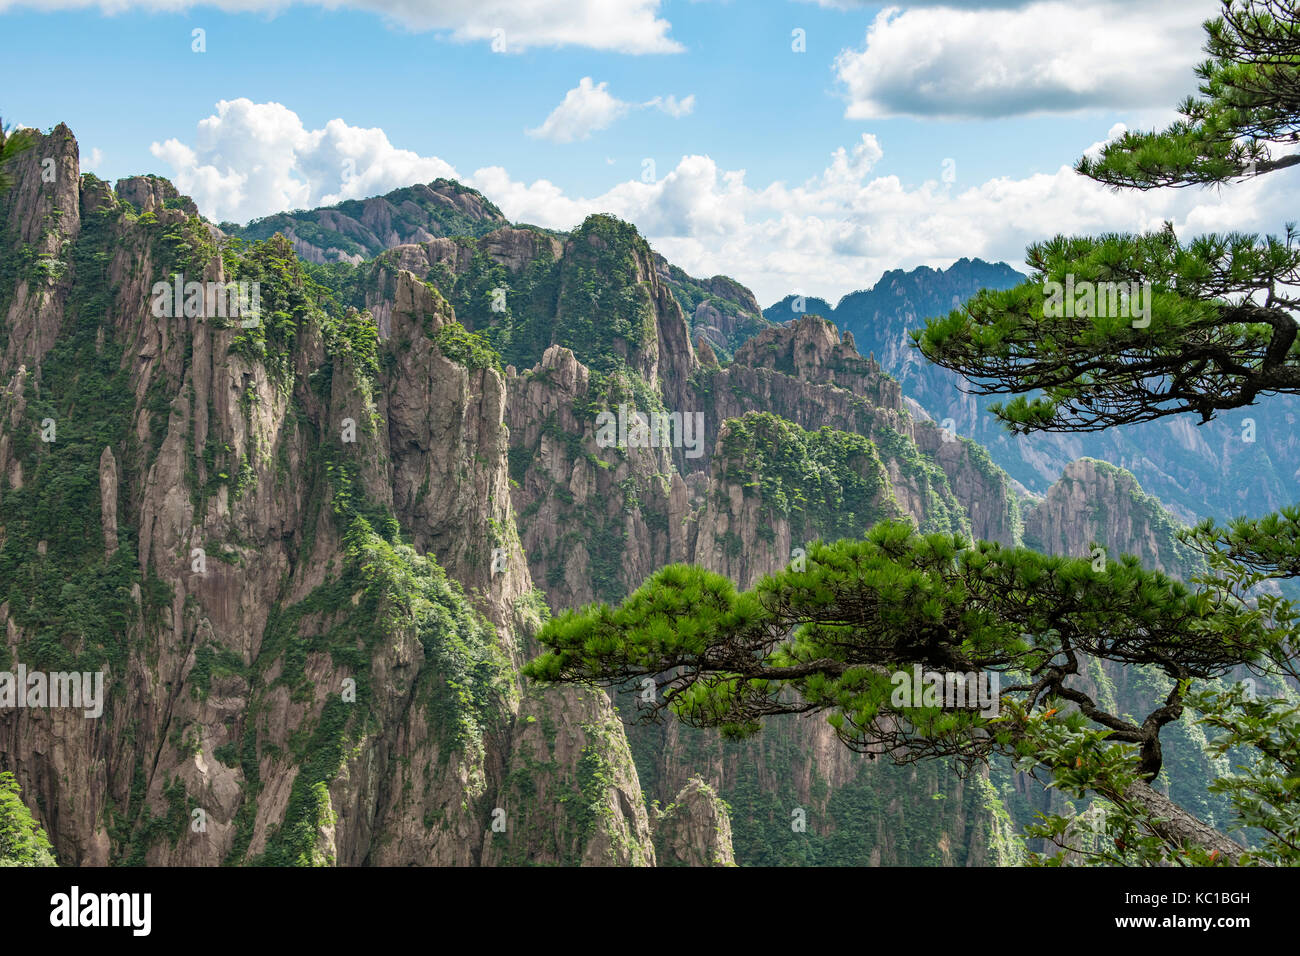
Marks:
<point>571,794</point>
<point>290,547</point>
<point>45,221</point>
<point>152,194</point>
<point>108,500</point>
<point>719,310</point>
<point>1093,501</point>
<point>360,229</point>
<point>695,829</point>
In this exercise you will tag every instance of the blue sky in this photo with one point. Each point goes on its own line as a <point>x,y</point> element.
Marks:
<point>306,101</point>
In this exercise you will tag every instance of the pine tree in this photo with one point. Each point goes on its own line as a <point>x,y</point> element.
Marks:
<point>843,636</point>
<point>22,841</point>
<point>11,144</point>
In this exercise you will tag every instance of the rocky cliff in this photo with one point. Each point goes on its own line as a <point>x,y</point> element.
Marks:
<point>1094,501</point>
<point>288,542</point>
<point>360,229</point>
<point>720,311</point>
<point>694,830</point>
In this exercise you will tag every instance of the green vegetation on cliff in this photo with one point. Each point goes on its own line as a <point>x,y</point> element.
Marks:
<point>22,841</point>
<point>943,513</point>
<point>72,602</point>
<point>604,312</point>
<point>386,590</point>
<point>831,481</point>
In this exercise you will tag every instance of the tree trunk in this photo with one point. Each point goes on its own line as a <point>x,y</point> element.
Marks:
<point>1175,824</point>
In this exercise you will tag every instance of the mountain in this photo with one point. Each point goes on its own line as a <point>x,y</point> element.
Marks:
<point>290,550</point>
<point>310,553</point>
<point>720,311</point>
<point>360,229</point>
<point>1095,501</point>
<point>1244,462</point>
<point>303,553</point>
<point>1095,504</point>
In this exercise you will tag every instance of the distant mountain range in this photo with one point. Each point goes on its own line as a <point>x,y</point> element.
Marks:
<point>1197,471</point>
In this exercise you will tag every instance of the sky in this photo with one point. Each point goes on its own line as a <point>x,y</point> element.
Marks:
<point>800,146</point>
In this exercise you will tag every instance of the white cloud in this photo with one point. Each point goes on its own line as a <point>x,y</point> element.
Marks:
<point>590,107</point>
<point>625,26</point>
<point>251,159</point>
<point>1042,57</point>
<point>833,233</point>
<point>585,109</point>
<point>672,106</point>
<point>848,168</point>
<point>93,163</point>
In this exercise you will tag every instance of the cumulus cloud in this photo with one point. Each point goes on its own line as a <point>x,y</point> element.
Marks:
<point>834,232</point>
<point>848,167</point>
<point>250,159</point>
<point>989,60</point>
<point>590,107</point>
<point>625,26</point>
